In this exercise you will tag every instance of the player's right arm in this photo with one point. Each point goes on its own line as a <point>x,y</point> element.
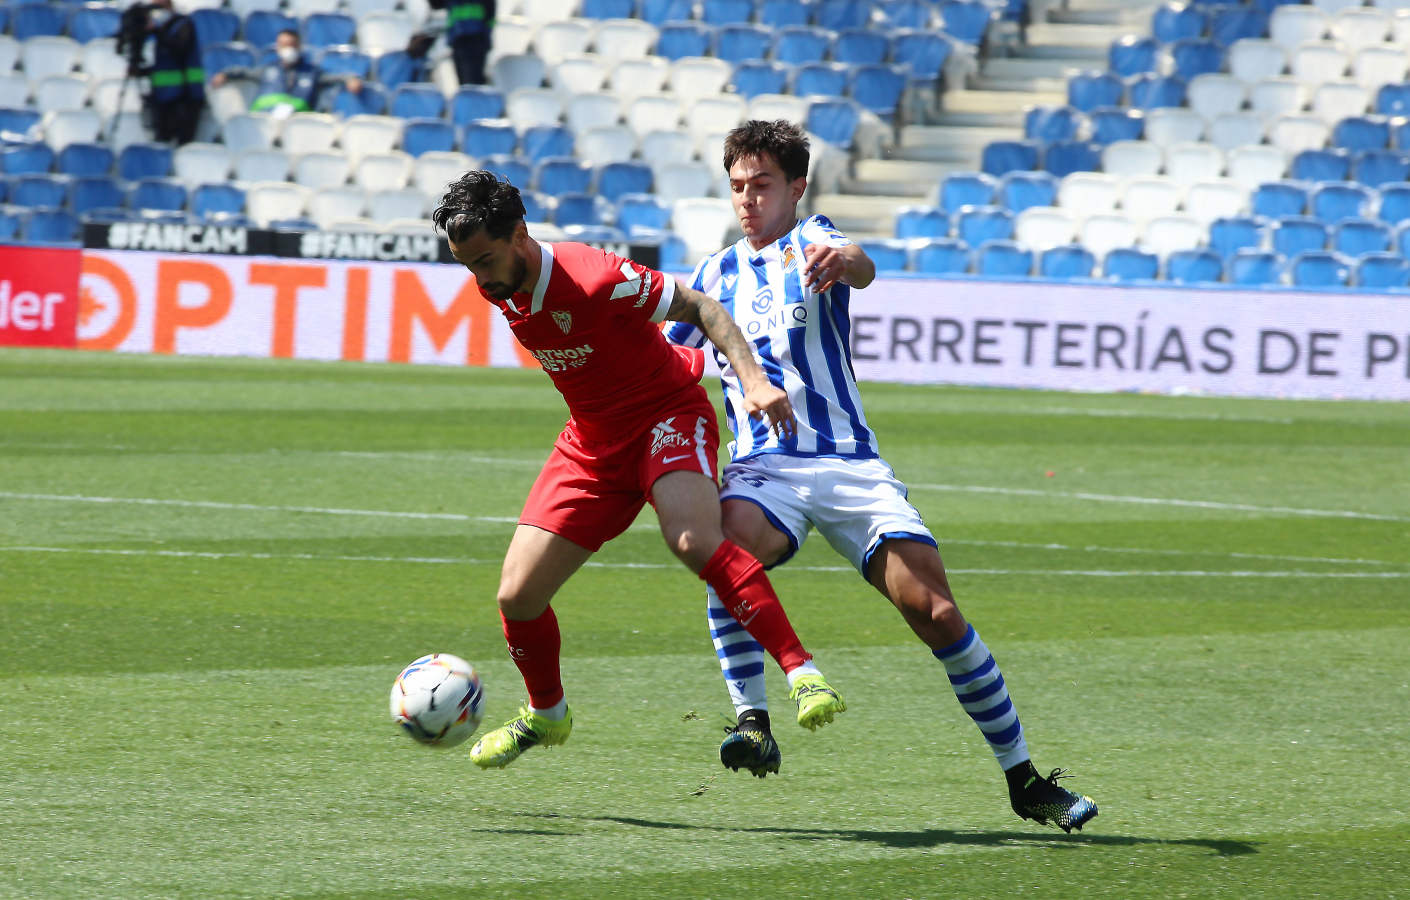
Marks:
<point>761,397</point>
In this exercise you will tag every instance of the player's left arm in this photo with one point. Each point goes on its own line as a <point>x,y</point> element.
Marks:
<point>826,265</point>
<point>761,397</point>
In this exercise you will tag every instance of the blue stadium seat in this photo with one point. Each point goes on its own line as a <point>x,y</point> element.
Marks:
<point>835,121</point>
<point>1115,123</point>
<point>1254,268</point>
<point>1230,234</point>
<point>1393,99</point>
<point>1357,237</point>
<point>642,214</point>
<point>508,168</point>
<point>1003,258</point>
<point>941,256</point>
<point>1234,23</point>
<point>538,206</point>
<point>540,142</point>
<point>966,20</point>
<point>217,199</point>
<point>1200,266</point>
<point>1132,54</point>
<point>396,67</point>
<point>476,101</point>
<point>1361,133</point>
<point>977,224</point>
<point>328,30</point>
<point>36,19</point>
<point>906,13</point>
<point>680,39</point>
<point>144,161</point>
<point>878,89</point>
<point>262,26</point>
<point>1066,157</point>
<point>1067,261</point>
<point>26,158</point>
<point>18,120</point>
<point>578,209</point>
<point>1151,91</point>
<point>1319,268</point>
<point>966,189</point>
<point>11,220</point>
<point>1051,123</point>
<point>492,137</point>
<point>1195,57</point>
<point>824,79</point>
<point>217,57</point>
<point>1377,168</point>
<point>92,21</point>
<point>51,226</point>
<point>418,101</point>
<point>1383,270</point>
<point>345,61</point>
<point>158,193</point>
<point>1334,201</point>
<point>836,15</point>
<point>1176,21</point>
<point>1400,133</point>
<point>214,26</point>
<point>1294,234</point>
<point>1020,190</point>
<point>95,192</point>
<point>783,13</point>
<point>1275,199</point>
<point>756,76</point>
<point>736,43</point>
<point>1321,165</point>
<point>888,254</point>
<point>727,12</point>
<point>371,100</point>
<point>860,46</point>
<point>799,44</point>
<point>1130,264</point>
<point>425,135</point>
<point>1395,204</point>
<point>560,175</point>
<point>39,191</point>
<point>659,12</point>
<point>999,157</point>
<point>607,9</point>
<point>85,159</point>
<point>1088,90</point>
<point>617,179</point>
<point>921,222</point>
<point>923,52</point>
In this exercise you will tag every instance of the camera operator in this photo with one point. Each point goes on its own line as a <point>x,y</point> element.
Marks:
<point>469,24</point>
<point>289,84</point>
<point>177,79</point>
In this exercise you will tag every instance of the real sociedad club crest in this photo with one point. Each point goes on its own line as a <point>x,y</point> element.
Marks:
<point>790,261</point>
<point>564,320</point>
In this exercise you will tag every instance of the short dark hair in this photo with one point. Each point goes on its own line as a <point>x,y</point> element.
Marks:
<point>292,31</point>
<point>476,200</point>
<point>780,139</point>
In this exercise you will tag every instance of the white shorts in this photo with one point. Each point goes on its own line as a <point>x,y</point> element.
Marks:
<point>854,503</point>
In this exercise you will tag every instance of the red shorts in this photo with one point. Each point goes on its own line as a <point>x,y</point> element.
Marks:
<point>589,492</point>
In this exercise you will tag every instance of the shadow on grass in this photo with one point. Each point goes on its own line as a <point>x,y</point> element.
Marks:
<point>936,837</point>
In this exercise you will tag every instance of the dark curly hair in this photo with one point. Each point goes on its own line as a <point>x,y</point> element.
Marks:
<point>780,139</point>
<point>479,200</point>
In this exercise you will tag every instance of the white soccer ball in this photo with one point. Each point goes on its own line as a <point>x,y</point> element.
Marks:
<point>438,700</point>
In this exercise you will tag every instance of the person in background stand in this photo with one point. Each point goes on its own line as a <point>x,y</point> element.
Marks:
<point>177,80</point>
<point>468,28</point>
<point>290,84</point>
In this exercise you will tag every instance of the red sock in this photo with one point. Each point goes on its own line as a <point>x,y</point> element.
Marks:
<point>534,646</point>
<point>745,591</point>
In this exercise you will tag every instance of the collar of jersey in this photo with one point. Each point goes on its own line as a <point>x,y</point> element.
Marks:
<point>541,287</point>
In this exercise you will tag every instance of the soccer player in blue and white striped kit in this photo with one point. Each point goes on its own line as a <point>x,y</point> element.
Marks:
<point>787,284</point>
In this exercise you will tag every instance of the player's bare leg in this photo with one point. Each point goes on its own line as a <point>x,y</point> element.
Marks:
<point>536,565</point>
<point>911,575</point>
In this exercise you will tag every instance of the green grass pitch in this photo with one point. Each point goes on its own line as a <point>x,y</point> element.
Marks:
<point>211,570</point>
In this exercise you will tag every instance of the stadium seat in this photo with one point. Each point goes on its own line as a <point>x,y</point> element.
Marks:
<point>538,206</point>
<point>91,21</point>
<point>1231,234</point>
<point>860,46</point>
<point>262,165</point>
<point>977,224</point>
<point>1195,266</point>
<point>1280,198</point>
<point>1376,168</point>
<point>640,213</point>
<point>370,101</point>
<point>824,79</point>
<point>395,68</point>
<point>489,137</point>
<point>514,71</point>
<point>1150,91</point>
<point>754,77</point>
<point>1088,90</point>
<point>1393,99</point>
<point>801,44</point>
<point>563,175</point>
<point>26,158</point>
<point>1321,165</point>
<point>609,144</point>
<point>941,256</point>
<point>381,33</point>
<point>1132,158</point>
<point>727,12</point>
<point>1334,201</point>
<point>1169,126</point>
<point>676,181</point>
<point>397,203</point>
<point>1190,162</point>
<point>1234,23</point>
<point>619,178</point>
<point>1375,67</point>
<point>198,163</point>
<point>158,193</point>
<point>1068,261</point>
<point>878,88</point>
<point>890,255</point>
<point>328,29</point>
<point>474,101</point>
<point>1110,124</point>
<point>425,135</point>
<point>322,170</point>
<point>1042,227</point>
<point>1361,133</point>
<point>1292,235</point>
<point>1252,60</point>
<point>85,159</point>
<point>736,43</point>
<point>836,15</point>
<point>51,226</point>
<point>558,39</point>
<point>1166,234</point>
<point>607,9</point>
<point>1051,123</point>
<point>215,199</point>
<point>966,189</point>
<point>308,133</point>
<point>37,20</point>
<point>694,77</point>
<point>1395,204</point>
<point>415,100</point>
<point>966,20</point>
<point>783,13</point>
<point>593,109</point>
<point>1255,268</point>
<point>1336,100</point>
<point>39,191</point>
<point>1256,165</point>
<point>1132,54</point>
<point>1130,264</point>
<point>362,135</point>
<point>1000,157</point>
<point>262,26</point>
<point>540,142</point>
<point>1233,130</point>
<point>658,12</point>
<point>1319,268</point>
<point>1003,258</point>
<point>1086,193</point>
<point>144,161</point>
<point>345,61</point>
<point>923,52</point>
<point>432,171</point>
<point>1215,94</point>
<point>680,38</point>
<point>1357,237</point>
<point>337,204</point>
<point>1214,199</point>
<point>382,171</point>
<point>1192,57</point>
<point>1066,157</point>
<point>1020,190</point>
<point>834,121</point>
<point>923,222</point>
<point>1176,21</point>
<point>1104,232</point>
<point>1383,270</point>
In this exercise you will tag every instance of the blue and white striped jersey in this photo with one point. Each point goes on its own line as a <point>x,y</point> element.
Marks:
<point>801,338</point>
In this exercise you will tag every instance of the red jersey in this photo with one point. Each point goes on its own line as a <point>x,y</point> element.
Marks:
<point>591,322</point>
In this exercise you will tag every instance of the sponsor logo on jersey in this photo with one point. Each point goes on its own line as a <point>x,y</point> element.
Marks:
<point>563,319</point>
<point>763,300</point>
<point>561,360</point>
<point>638,283</point>
<point>664,435</point>
<point>729,281</point>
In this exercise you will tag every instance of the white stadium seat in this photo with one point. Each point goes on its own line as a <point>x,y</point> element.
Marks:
<point>624,38</point>
<point>1363,27</point>
<point>262,165</point>
<point>516,72</point>
<point>1215,94</point>
<point>528,107</point>
<point>309,132</point>
<point>1194,161</point>
<point>580,73</point>
<point>591,110</point>
<point>10,53</point>
<point>1143,199</point>
<point>272,201</point>
<point>512,35</point>
<point>702,222</point>
<point>1291,25</point>
<point>548,10</point>
<point>379,32</point>
<point>714,115</point>
<point>109,93</point>
<point>1210,200</point>
<point>1293,134</point>
<point>1166,234</point>
<point>1088,193</point>
<point>433,171</point>
<point>250,131</point>
<point>1132,158</point>
<point>556,40</point>
<point>666,147</point>
<point>1043,227</point>
<point>677,181</point>
<point>632,78</point>
<point>694,77</point>
<point>75,126</point>
<point>383,171</point>
<point>1254,59</point>
<point>332,204</point>
<point>1335,100</point>
<point>99,59</point>
<point>48,55</point>
<point>364,134</point>
<point>1173,125</point>
<point>1105,232</point>
<point>1275,97</point>
<point>402,203</point>
<point>652,111</point>
<point>769,107</point>
<point>1375,66</point>
<point>322,170</point>
<point>607,144</point>
<point>1253,165</point>
<point>1316,62</point>
<point>1235,130</point>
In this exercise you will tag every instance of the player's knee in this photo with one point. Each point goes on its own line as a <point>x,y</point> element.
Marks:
<point>516,601</point>
<point>692,546</point>
<point>945,617</point>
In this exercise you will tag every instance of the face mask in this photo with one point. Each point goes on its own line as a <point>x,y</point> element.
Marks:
<point>288,55</point>
<point>159,17</point>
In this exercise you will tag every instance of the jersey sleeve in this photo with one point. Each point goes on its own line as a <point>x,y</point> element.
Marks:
<point>685,334</point>
<point>818,229</point>
<point>634,289</point>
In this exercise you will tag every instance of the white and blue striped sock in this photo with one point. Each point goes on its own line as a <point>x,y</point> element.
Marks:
<point>979,686</point>
<point>741,657</point>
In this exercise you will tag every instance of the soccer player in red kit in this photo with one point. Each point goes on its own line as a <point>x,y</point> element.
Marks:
<point>641,428</point>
